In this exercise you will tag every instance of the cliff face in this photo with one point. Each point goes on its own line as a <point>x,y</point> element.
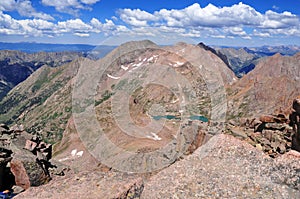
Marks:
<point>239,60</point>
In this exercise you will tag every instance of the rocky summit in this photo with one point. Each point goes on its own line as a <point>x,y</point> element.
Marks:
<point>227,168</point>
<point>149,121</point>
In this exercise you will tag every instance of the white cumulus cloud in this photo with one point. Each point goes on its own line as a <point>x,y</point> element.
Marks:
<point>136,17</point>
<point>238,20</point>
<point>70,6</point>
<point>82,34</point>
<point>24,8</point>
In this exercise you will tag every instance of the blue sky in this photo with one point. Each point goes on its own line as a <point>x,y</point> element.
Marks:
<point>111,22</point>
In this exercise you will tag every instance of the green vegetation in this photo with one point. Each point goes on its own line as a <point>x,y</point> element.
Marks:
<point>121,84</point>
<point>105,96</point>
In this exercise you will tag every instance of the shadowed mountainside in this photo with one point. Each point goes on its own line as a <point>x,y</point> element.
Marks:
<point>16,66</point>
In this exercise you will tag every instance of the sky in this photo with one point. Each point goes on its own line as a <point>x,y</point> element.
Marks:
<point>112,22</point>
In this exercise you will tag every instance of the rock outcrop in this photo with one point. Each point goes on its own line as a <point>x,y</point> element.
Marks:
<point>25,159</point>
<point>226,168</point>
<point>273,134</point>
<point>89,185</point>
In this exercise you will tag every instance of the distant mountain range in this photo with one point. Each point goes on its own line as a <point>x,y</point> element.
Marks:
<point>99,50</point>
<point>38,47</point>
<point>31,47</point>
<point>19,60</point>
<point>266,50</point>
<point>242,60</point>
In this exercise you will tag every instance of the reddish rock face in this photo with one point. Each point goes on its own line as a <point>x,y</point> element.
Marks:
<point>21,177</point>
<point>30,145</point>
<point>270,87</point>
<point>28,171</point>
<point>267,118</point>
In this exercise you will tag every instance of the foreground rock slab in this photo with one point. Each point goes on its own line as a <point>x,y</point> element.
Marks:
<point>227,168</point>
<point>88,185</point>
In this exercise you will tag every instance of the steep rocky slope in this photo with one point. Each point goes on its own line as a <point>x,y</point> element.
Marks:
<point>16,66</point>
<point>243,60</point>
<point>42,102</point>
<point>269,88</point>
<point>240,61</point>
<point>146,101</point>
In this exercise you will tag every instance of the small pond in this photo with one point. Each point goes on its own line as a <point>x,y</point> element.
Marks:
<point>172,117</point>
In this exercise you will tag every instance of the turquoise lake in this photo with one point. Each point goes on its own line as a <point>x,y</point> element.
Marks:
<point>171,117</point>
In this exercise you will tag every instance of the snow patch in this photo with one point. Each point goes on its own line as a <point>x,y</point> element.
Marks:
<point>136,66</point>
<point>154,136</point>
<point>113,77</point>
<point>174,101</point>
<point>124,67</point>
<point>73,152</point>
<point>79,154</point>
<point>63,159</point>
<point>139,64</point>
<point>3,82</point>
<point>150,59</point>
<point>179,63</point>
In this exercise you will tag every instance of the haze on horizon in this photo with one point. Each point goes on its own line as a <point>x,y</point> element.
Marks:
<point>96,22</point>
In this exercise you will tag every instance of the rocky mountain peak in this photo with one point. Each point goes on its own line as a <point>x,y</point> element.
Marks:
<point>272,85</point>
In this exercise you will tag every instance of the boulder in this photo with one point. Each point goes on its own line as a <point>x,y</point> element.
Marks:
<point>295,143</point>
<point>17,189</point>
<point>275,126</point>
<point>28,171</point>
<point>30,145</point>
<point>28,159</point>
<point>254,123</point>
<point>21,176</point>
<point>89,184</point>
<point>267,118</point>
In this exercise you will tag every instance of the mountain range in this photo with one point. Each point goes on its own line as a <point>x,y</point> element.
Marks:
<point>164,100</point>
<point>246,96</point>
<point>16,66</point>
